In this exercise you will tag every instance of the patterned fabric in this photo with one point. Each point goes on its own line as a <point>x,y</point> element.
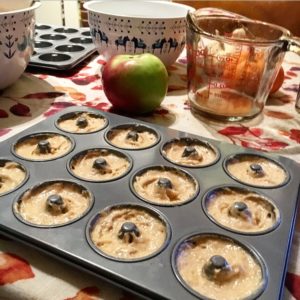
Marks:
<point>37,96</point>
<point>28,274</point>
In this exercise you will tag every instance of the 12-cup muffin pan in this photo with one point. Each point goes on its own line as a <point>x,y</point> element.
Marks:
<point>187,223</point>
<point>60,47</point>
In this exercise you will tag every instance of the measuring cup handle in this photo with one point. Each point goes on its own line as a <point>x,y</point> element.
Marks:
<point>294,44</point>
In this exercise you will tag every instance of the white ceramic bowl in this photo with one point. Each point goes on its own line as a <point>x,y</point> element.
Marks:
<point>16,43</point>
<point>6,5</point>
<point>131,26</point>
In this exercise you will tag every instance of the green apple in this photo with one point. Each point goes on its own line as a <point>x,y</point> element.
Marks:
<point>135,83</point>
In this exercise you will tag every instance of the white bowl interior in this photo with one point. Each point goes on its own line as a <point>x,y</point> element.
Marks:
<point>7,6</point>
<point>13,10</point>
<point>139,9</point>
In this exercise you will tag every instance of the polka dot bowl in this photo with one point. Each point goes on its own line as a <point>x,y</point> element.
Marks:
<point>135,27</point>
<point>16,42</point>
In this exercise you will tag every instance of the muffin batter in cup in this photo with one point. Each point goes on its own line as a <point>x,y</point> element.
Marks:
<point>190,152</point>
<point>53,203</point>
<point>165,185</point>
<point>128,232</point>
<point>81,122</point>
<point>132,136</point>
<point>219,268</point>
<point>43,146</point>
<point>12,175</point>
<point>100,164</point>
<point>256,170</point>
<point>241,210</point>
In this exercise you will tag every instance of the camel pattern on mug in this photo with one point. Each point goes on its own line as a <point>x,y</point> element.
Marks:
<point>99,35</point>
<point>159,44</point>
<point>122,41</point>
<point>138,44</point>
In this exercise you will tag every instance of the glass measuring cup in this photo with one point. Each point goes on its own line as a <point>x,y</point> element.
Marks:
<point>232,64</point>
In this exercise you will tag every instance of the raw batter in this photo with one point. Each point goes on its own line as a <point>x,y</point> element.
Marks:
<point>53,203</point>
<point>43,146</point>
<point>189,153</point>
<point>242,210</point>
<point>100,165</point>
<point>256,170</point>
<point>240,277</point>
<point>165,186</point>
<point>12,175</point>
<point>82,123</point>
<point>132,137</point>
<point>128,233</point>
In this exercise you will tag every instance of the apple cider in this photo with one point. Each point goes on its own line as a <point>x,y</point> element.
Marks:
<point>223,102</point>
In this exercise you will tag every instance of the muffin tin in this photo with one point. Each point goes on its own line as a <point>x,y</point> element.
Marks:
<point>156,276</point>
<point>60,48</point>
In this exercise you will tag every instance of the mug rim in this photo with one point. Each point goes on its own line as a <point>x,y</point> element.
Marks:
<point>184,9</point>
<point>35,5</point>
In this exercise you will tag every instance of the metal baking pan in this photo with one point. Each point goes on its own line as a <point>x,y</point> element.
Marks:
<point>60,48</point>
<point>155,276</point>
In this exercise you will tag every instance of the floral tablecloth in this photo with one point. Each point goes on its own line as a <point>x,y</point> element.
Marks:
<point>26,273</point>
